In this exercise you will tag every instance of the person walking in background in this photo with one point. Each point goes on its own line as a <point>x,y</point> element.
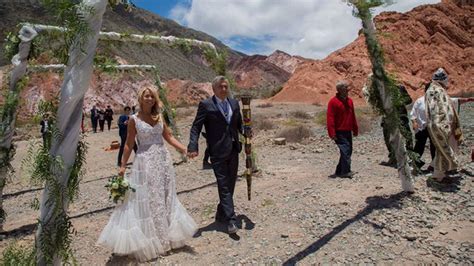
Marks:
<point>101,114</point>
<point>94,118</point>
<point>123,127</point>
<point>443,126</point>
<point>419,121</point>
<point>109,116</point>
<point>45,128</point>
<point>82,121</point>
<point>341,124</point>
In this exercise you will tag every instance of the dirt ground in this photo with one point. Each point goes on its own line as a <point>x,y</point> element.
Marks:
<point>298,214</point>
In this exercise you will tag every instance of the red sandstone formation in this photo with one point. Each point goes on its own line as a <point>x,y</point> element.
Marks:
<point>415,43</point>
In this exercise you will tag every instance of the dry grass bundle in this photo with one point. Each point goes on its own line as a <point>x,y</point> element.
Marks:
<point>295,134</point>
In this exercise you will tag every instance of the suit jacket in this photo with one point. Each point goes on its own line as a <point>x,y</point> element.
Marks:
<point>122,126</point>
<point>44,125</point>
<point>222,137</point>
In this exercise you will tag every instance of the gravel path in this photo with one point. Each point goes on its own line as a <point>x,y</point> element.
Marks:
<point>298,214</point>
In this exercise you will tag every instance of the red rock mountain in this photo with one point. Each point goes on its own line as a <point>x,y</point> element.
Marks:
<point>184,92</point>
<point>285,61</point>
<point>415,43</point>
<point>255,72</point>
<point>264,72</point>
<point>105,89</point>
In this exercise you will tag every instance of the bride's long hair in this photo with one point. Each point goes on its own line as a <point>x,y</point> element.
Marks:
<point>156,108</point>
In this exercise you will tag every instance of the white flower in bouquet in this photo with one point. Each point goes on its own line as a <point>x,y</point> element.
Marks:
<point>118,187</point>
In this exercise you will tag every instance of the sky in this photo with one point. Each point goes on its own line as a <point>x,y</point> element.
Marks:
<point>309,28</point>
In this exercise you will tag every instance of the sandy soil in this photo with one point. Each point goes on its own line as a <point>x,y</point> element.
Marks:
<point>298,214</point>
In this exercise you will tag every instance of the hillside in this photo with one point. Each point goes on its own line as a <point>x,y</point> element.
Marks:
<point>415,43</point>
<point>186,72</point>
<point>172,63</point>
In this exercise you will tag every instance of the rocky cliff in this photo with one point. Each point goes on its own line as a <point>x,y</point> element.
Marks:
<point>415,43</point>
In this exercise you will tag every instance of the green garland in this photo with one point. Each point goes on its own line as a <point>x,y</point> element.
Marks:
<point>183,45</point>
<point>106,64</point>
<point>217,60</point>
<point>8,110</point>
<point>168,114</point>
<point>15,255</point>
<point>56,238</point>
<point>10,47</point>
<point>66,13</point>
<point>7,115</point>
<point>391,114</point>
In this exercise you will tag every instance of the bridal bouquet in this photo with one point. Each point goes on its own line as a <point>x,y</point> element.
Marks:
<point>118,187</point>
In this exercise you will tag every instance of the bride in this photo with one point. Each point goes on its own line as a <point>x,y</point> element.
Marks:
<point>151,221</point>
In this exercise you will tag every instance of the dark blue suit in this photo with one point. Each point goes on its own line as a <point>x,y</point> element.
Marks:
<point>94,119</point>
<point>123,136</point>
<point>224,147</point>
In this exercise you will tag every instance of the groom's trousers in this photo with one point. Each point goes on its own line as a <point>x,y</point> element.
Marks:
<point>225,170</point>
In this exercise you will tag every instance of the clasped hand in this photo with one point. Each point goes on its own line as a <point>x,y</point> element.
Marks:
<point>192,154</point>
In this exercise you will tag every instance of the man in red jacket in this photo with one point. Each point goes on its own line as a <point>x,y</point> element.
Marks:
<point>341,123</point>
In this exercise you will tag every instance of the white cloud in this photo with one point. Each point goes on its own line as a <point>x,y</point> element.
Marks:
<point>310,28</point>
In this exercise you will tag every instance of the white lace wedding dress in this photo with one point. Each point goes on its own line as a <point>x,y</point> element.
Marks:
<point>152,220</point>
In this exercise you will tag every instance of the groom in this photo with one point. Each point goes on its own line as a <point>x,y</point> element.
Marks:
<point>220,115</point>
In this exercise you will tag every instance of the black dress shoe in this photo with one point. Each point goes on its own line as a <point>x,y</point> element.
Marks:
<point>348,175</point>
<point>206,166</point>
<point>232,228</point>
<point>389,163</point>
<point>219,220</point>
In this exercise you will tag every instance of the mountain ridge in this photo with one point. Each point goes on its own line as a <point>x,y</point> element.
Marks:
<point>415,44</point>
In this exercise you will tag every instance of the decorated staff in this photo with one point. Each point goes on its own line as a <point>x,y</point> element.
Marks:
<point>247,117</point>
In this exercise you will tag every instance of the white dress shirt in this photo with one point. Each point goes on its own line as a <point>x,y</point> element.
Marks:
<point>418,113</point>
<point>229,108</point>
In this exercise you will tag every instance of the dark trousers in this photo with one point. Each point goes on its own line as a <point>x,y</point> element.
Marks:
<point>344,143</point>
<point>421,138</point>
<point>101,125</point>
<point>123,140</point>
<point>206,156</point>
<point>45,136</point>
<point>225,170</point>
<point>94,125</point>
<point>109,123</point>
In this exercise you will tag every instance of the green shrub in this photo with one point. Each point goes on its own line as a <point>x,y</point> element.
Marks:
<point>295,134</point>
<point>320,118</point>
<point>265,105</point>
<point>15,255</point>
<point>263,124</point>
<point>300,115</point>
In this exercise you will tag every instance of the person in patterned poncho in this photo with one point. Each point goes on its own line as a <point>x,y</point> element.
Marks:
<point>443,126</point>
